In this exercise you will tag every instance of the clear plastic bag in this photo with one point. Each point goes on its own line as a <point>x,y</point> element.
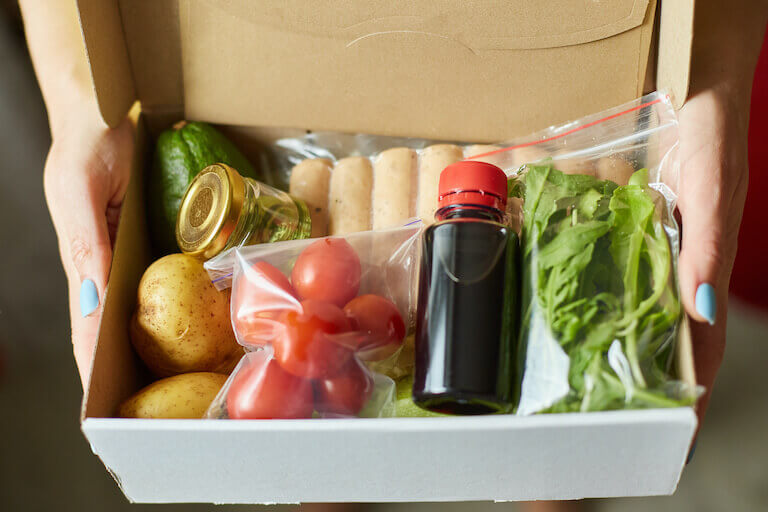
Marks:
<point>284,154</point>
<point>357,182</point>
<point>600,301</point>
<point>363,182</point>
<point>313,316</point>
<point>605,337</point>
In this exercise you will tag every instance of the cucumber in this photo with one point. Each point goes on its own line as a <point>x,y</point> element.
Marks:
<point>180,154</point>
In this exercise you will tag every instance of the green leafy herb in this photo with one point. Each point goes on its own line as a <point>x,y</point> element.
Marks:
<point>597,268</point>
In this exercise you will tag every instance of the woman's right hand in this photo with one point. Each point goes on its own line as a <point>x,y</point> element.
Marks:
<point>86,176</point>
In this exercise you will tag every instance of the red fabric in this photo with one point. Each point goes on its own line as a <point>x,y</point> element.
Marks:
<point>750,274</point>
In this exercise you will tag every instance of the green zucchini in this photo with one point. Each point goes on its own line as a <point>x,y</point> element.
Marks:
<point>182,152</point>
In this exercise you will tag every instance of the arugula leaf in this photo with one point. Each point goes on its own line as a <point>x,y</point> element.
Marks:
<point>598,268</point>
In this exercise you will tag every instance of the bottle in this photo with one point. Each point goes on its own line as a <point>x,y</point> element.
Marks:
<point>467,301</point>
<point>222,209</point>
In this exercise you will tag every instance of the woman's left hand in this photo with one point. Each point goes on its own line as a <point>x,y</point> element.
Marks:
<point>713,187</point>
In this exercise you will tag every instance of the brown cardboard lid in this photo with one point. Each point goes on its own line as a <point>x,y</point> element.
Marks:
<point>675,46</point>
<point>305,63</point>
<point>108,57</point>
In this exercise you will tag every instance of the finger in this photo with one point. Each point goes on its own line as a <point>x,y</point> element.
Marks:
<point>90,257</point>
<point>78,202</point>
<point>84,331</point>
<point>708,248</point>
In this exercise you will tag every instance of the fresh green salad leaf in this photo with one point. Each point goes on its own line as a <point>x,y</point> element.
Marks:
<point>598,269</point>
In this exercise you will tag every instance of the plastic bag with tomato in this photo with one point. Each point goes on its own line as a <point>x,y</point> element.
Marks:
<point>315,314</point>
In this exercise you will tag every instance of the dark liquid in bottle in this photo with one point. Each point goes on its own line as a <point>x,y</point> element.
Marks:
<point>463,343</point>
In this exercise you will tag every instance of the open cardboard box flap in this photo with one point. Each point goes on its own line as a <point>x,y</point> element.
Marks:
<point>291,64</point>
<point>475,71</point>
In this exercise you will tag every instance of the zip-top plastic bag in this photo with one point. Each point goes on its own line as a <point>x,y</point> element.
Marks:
<point>600,302</point>
<point>315,316</point>
<point>358,182</point>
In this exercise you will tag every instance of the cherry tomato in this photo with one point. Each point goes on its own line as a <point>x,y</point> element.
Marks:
<point>380,325</point>
<point>263,390</point>
<point>327,270</point>
<point>346,393</point>
<point>306,346</point>
<point>261,294</point>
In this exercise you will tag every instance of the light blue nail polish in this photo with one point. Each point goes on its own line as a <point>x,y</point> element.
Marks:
<point>706,303</point>
<point>89,297</point>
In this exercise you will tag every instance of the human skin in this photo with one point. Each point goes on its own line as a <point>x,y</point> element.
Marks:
<point>88,166</point>
<point>87,169</point>
<point>713,165</point>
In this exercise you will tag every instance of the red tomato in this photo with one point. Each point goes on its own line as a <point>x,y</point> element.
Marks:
<point>262,292</point>
<point>380,324</point>
<point>306,346</point>
<point>346,393</point>
<point>327,270</point>
<point>263,390</point>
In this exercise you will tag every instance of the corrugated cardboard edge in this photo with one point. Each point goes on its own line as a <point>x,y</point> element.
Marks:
<point>684,363</point>
<point>673,68</point>
<point>105,46</point>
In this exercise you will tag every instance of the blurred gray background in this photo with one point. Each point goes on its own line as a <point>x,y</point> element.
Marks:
<point>45,462</point>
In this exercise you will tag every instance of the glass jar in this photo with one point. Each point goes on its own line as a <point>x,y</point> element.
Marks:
<point>221,209</point>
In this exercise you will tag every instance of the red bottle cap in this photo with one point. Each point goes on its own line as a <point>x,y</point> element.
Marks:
<point>474,183</point>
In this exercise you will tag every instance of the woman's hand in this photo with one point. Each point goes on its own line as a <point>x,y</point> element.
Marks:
<point>713,188</point>
<point>713,169</point>
<point>86,176</point>
<point>88,165</point>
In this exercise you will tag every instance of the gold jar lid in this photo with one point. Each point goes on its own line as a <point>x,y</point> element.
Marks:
<point>209,211</point>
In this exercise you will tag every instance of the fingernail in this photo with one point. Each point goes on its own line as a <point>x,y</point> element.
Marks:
<point>691,452</point>
<point>706,303</point>
<point>89,297</point>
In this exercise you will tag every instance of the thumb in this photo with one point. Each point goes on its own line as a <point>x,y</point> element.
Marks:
<point>90,259</point>
<point>705,262</point>
<point>706,256</point>
<point>79,211</point>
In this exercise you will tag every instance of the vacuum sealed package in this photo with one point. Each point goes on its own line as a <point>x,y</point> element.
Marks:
<point>600,303</point>
<point>364,182</point>
<point>312,316</point>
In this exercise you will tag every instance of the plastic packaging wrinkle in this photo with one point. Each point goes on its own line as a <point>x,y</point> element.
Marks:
<point>323,322</point>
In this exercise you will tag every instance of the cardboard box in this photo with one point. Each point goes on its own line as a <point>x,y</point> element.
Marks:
<point>477,71</point>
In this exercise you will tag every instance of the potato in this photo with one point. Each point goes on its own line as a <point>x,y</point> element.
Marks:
<point>181,323</point>
<point>182,396</point>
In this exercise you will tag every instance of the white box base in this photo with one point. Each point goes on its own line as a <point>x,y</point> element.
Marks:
<point>501,458</point>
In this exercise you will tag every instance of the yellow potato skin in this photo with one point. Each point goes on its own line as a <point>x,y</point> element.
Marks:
<point>181,396</point>
<point>181,323</point>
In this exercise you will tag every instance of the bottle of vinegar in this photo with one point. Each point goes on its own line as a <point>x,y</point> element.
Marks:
<point>468,287</point>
